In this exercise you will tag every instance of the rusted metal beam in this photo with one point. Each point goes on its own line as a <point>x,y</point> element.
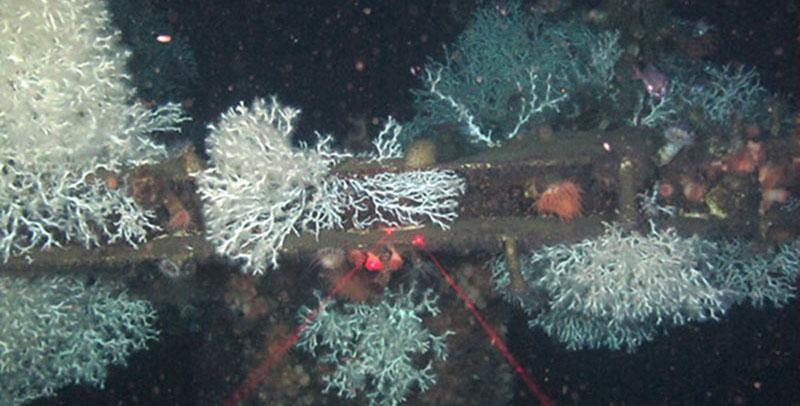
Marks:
<point>502,186</point>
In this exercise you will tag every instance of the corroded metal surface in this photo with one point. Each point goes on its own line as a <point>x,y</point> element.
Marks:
<point>502,186</point>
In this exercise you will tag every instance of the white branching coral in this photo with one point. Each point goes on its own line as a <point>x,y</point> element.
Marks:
<point>622,288</point>
<point>387,143</point>
<point>260,188</point>
<point>67,114</point>
<point>617,290</point>
<point>756,278</point>
<point>399,199</point>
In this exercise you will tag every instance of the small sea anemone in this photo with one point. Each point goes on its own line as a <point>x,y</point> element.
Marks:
<point>666,190</point>
<point>770,197</point>
<point>694,191</point>
<point>330,259</point>
<point>563,200</point>
<point>749,158</point>
<point>771,175</point>
<point>394,260</point>
<point>742,162</point>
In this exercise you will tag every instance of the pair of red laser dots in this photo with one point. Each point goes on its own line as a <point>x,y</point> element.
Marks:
<point>374,263</point>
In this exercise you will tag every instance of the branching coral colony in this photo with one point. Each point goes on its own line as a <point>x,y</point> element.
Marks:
<point>57,331</point>
<point>376,349</point>
<point>508,70</point>
<point>67,116</point>
<point>621,289</point>
<point>259,188</point>
<point>618,290</point>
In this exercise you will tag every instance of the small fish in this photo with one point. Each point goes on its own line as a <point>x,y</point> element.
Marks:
<point>656,83</point>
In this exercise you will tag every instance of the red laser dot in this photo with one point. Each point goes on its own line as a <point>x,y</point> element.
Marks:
<point>373,262</point>
<point>389,230</point>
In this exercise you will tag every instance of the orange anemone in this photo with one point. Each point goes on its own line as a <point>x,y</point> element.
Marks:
<point>563,200</point>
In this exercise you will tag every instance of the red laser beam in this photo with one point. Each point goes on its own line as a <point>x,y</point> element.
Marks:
<point>496,340</point>
<point>258,374</point>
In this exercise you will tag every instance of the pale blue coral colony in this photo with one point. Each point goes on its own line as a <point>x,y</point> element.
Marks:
<point>373,348</point>
<point>57,331</point>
